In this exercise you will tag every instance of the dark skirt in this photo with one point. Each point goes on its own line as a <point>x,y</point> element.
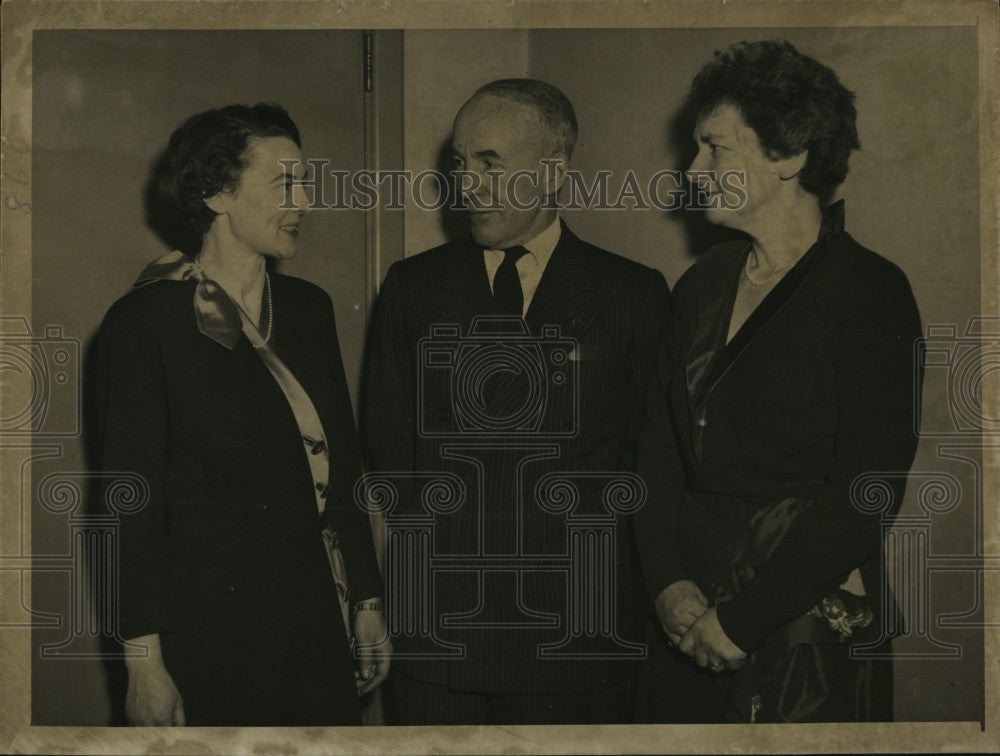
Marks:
<point>267,645</point>
<point>780,683</point>
<point>803,673</point>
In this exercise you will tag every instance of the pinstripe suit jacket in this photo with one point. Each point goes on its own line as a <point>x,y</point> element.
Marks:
<point>488,605</point>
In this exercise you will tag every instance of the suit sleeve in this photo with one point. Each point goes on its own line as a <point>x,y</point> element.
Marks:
<point>658,463</point>
<point>878,394</point>
<point>389,406</point>
<point>132,438</point>
<point>651,326</point>
<point>348,516</point>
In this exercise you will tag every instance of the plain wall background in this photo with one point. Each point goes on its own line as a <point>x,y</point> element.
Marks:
<point>105,102</point>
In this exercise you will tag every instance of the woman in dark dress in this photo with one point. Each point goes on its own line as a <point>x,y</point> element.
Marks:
<point>785,395</point>
<point>222,386</point>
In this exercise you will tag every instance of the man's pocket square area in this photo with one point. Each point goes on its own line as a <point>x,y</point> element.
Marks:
<point>587,352</point>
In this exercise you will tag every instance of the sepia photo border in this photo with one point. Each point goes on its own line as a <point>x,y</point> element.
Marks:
<point>21,17</point>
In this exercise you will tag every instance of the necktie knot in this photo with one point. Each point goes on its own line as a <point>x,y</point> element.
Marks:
<point>512,254</point>
<point>508,298</point>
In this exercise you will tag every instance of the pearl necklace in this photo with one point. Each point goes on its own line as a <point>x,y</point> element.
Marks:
<point>775,274</point>
<point>270,306</point>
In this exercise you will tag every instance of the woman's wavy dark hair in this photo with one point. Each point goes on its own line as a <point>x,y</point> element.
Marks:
<point>791,101</point>
<point>207,154</point>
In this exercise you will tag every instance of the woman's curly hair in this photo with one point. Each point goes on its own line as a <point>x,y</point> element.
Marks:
<point>791,101</point>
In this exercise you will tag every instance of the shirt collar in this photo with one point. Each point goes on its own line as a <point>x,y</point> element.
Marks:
<point>543,245</point>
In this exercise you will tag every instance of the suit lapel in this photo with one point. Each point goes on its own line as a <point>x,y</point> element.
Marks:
<point>464,287</point>
<point>572,291</point>
<point>570,295</point>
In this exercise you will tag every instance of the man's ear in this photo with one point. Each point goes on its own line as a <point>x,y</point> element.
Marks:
<point>554,171</point>
<point>790,167</point>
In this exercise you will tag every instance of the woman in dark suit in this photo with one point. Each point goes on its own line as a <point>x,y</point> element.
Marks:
<point>222,386</point>
<point>786,385</point>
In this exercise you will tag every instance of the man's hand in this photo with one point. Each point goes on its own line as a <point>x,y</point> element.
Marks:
<point>373,649</point>
<point>678,606</point>
<point>709,645</point>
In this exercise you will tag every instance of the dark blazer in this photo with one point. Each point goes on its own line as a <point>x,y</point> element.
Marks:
<point>229,539</point>
<point>819,386</point>
<point>467,407</point>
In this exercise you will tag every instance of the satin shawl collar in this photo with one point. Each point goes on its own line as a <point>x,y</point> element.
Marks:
<point>217,315</point>
<point>717,277</point>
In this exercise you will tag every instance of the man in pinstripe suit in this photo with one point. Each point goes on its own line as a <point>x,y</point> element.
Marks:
<point>510,370</point>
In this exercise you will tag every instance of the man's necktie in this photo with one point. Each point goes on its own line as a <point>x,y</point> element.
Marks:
<point>507,295</point>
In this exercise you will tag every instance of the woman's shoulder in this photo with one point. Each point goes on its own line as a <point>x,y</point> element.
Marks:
<point>305,293</point>
<point>305,303</point>
<point>154,313</point>
<point>857,284</point>
<point>152,302</point>
<point>849,257</point>
<point>853,268</point>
